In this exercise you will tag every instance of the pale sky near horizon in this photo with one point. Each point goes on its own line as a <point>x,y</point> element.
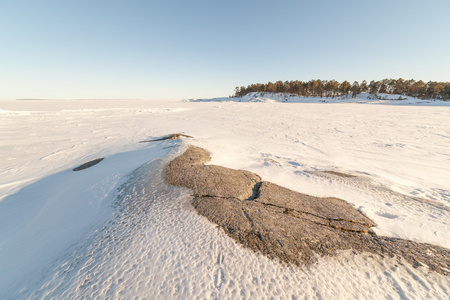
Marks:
<point>201,49</point>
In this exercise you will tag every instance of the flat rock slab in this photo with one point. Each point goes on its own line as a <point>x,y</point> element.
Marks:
<point>188,170</point>
<point>284,224</point>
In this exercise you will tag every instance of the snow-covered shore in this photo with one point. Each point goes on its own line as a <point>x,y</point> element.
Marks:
<point>362,98</point>
<point>51,216</point>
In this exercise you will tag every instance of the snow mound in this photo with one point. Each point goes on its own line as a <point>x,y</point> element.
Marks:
<point>65,207</point>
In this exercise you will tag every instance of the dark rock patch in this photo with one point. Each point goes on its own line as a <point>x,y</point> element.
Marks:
<point>88,164</point>
<point>339,174</point>
<point>172,136</point>
<point>284,224</point>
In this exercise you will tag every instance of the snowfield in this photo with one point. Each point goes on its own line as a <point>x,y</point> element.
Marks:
<point>116,230</point>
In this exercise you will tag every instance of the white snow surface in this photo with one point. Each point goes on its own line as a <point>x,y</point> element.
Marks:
<point>116,230</point>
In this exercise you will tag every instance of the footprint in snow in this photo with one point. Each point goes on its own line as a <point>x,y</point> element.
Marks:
<point>219,278</point>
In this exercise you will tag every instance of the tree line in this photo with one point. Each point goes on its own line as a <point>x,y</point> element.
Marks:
<point>333,88</point>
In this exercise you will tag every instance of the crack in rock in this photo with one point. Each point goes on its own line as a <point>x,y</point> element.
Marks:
<point>290,212</point>
<point>286,225</point>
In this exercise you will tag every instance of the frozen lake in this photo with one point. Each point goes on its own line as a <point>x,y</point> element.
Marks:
<point>117,230</point>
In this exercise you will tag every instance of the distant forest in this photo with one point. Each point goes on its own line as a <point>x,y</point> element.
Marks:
<point>333,88</point>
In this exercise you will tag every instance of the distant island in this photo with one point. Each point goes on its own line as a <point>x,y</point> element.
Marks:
<point>333,88</point>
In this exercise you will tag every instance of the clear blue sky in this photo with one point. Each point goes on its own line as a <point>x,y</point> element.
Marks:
<point>193,49</point>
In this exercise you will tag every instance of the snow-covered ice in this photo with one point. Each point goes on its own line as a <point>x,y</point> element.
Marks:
<point>115,231</point>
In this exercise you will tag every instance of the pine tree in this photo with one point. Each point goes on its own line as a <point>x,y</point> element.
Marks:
<point>363,86</point>
<point>355,89</point>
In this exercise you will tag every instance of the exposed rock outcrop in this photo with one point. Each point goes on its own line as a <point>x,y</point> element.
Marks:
<point>172,136</point>
<point>284,224</point>
<point>340,174</point>
<point>188,170</point>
